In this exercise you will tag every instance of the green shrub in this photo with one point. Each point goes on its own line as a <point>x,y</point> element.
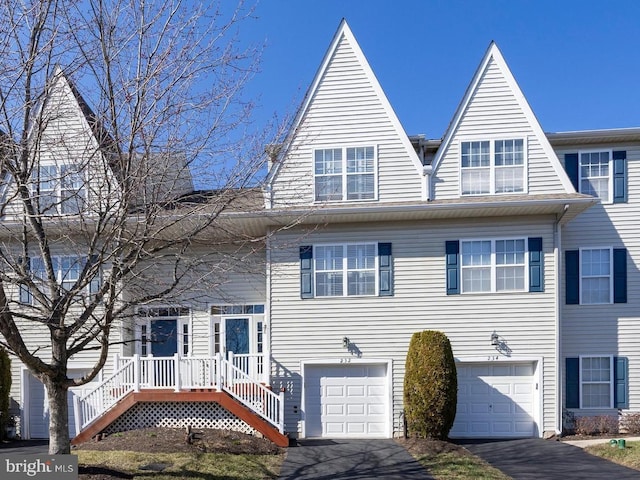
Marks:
<point>5,389</point>
<point>430,386</point>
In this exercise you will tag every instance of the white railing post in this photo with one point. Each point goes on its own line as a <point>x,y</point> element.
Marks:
<point>176,373</point>
<point>230,371</point>
<point>136,373</point>
<point>116,362</point>
<point>218,379</point>
<point>281,412</point>
<point>76,413</point>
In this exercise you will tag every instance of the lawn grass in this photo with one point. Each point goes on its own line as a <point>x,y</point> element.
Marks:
<point>629,457</point>
<point>205,466</point>
<point>459,466</point>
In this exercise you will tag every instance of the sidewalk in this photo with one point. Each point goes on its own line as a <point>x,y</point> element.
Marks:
<point>598,441</point>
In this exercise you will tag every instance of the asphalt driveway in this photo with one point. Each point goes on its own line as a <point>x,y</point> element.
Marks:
<point>350,459</point>
<point>534,459</point>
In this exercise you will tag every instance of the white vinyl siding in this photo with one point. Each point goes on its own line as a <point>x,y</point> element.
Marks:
<point>596,382</point>
<point>595,174</point>
<point>381,327</point>
<point>494,113</point>
<point>346,110</point>
<point>493,265</point>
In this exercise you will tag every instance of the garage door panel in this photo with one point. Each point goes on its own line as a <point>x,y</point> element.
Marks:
<point>351,403</point>
<point>495,400</point>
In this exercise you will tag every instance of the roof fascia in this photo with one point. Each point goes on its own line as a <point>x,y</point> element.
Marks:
<point>493,52</point>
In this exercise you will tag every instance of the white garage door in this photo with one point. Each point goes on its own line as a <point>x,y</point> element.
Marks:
<point>495,401</point>
<point>346,401</point>
<point>38,410</point>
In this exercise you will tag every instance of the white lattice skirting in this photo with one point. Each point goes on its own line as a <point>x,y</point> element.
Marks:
<point>178,415</point>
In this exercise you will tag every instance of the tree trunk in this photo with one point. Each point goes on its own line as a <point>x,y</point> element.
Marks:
<point>59,441</point>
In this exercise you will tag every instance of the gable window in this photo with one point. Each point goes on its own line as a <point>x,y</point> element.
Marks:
<point>494,265</point>
<point>596,276</point>
<point>345,174</point>
<point>60,190</point>
<point>489,167</point>
<point>353,269</point>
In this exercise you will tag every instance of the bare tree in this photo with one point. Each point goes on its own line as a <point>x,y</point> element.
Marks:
<point>99,212</point>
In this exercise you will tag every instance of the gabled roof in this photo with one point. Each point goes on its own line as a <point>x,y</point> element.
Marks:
<point>343,31</point>
<point>493,53</point>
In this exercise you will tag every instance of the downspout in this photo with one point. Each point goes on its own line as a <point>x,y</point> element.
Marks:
<point>557,250</point>
<point>427,170</point>
<point>267,311</point>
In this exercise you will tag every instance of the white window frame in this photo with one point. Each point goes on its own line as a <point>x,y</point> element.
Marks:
<point>59,187</point>
<point>257,322</point>
<point>611,382</point>
<point>344,174</point>
<point>63,279</point>
<point>492,167</point>
<point>609,198</point>
<point>583,276</point>
<point>344,271</point>
<point>493,266</point>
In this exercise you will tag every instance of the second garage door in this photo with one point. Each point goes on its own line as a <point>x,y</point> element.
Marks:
<point>346,401</point>
<point>495,400</point>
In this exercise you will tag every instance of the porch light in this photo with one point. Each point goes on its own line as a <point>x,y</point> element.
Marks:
<point>495,339</point>
<point>345,342</point>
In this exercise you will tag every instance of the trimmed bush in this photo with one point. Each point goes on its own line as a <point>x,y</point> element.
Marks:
<point>597,425</point>
<point>5,388</point>
<point>430,386</point>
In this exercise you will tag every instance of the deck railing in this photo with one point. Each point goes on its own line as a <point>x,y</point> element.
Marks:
<point>240,376</point>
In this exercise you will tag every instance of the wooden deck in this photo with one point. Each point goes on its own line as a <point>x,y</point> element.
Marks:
<point>194,395</point>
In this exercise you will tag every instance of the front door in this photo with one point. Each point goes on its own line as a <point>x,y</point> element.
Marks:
<point>164,338</point>
<point>236,334</point>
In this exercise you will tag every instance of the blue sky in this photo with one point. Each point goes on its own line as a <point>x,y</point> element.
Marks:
<point>577,62</point>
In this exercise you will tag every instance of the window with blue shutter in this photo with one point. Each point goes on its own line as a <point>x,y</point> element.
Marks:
<point>619,275</point>
<point>24,291</point>
<point>385,268</point>
<point>452,248</point>
<point>572,383</point>
<point>619,176</point>
<point>536,265</point>
<point>572,277</point>
<point>306,271</point>
<point>571,167</point>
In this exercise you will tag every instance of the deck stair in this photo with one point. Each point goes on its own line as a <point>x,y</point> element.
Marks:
<point>181,379</point>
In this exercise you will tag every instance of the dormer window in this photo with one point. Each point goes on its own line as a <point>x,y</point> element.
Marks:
<point>492,166</point>
<point>346,173</point>
<point>60,189</point>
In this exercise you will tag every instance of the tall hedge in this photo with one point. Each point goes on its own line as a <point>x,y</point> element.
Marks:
<point>5,389</point>
<point>430,386</point>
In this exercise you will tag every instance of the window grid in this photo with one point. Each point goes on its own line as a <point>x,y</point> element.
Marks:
<point>345,174</point>
<point>492,167</point>
<point>345,270</point>
<point>595,174</point>
<point>595,276</point>
<point>596,382</point>
<point>493,265</point>
<point>60,189</point>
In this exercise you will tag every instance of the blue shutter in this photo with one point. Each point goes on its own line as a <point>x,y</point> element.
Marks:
<point>621,387</point>
<point>306,271</point>
<point>25,292</point>
<point>536,272</point>
<point>571,167</point>
<point>572,276</point>
<point>385,268</point>
<point>96,282</point>
<point>619,275</point>
<point>620,177</point>
<point>452,248</point>
<point>572,383</point>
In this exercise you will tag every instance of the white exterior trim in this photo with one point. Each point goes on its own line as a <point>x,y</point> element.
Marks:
<point>348,360</point>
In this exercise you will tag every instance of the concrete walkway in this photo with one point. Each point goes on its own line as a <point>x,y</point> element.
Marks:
<point>350,459</point>
<point>534,459</point>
